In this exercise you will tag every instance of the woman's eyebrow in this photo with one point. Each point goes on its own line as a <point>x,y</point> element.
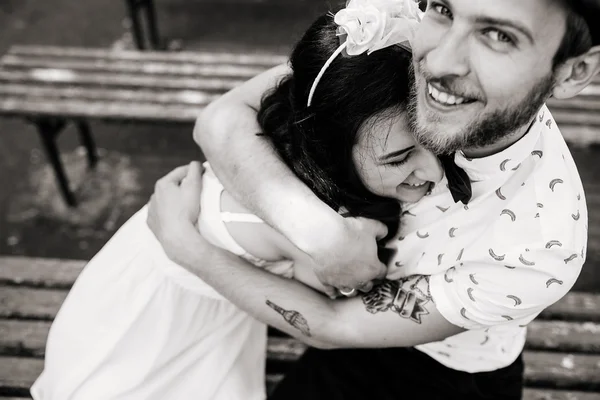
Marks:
<point>395,153</point>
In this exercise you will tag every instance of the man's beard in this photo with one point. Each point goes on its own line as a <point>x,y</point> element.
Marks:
<point>483,132</point>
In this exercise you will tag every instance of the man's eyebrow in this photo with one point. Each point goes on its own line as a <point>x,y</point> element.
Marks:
<point>395,153</point>
<point>506,22</point>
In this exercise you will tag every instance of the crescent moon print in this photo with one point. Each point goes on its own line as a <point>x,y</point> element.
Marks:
<point>510,267</point>
<point>578,197</point>
<point>496,257</point>
<point>470,293</point>
<point>400,238</point>
<point>500,195</point>
<point>540,205</point>
<point>407,213</point>
<point>551,281</point>
<point>570,258</point>
<point>555,182</point>
<point>399,264</point>
<point>583,252</point>
<point>463,312</point>
<point>538,153</point>
<point>507,317</point>
<point>460,254</point>
<point>515,298</point>
<point>446,278</point>
<point>440,256</point>
<point>517,167</point>
<point>451,232</point>
<point>526,262</point>
<point>576,216</point>
<point>466,207</point>
<point>423,236</point>
<point>487,338</point>
<point>443,209</point>
<point>553,243</point>
<point>542,116</point>
<point>503,165</point>
<point>549,123</point>
<point>511,214</point>
<point>472,278</point>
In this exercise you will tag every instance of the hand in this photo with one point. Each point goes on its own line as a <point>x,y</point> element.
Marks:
<point>348,259</point>
<point>175,206</point>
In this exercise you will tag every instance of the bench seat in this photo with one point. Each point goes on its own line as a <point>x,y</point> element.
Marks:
<point>562,355</point>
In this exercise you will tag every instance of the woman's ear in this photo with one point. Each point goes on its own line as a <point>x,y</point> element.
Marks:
<point>576,73</point>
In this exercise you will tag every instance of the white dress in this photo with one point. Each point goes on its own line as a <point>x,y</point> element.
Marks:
<point>135,325</point>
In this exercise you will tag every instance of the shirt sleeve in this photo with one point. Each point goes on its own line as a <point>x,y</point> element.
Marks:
<point>512,289</point>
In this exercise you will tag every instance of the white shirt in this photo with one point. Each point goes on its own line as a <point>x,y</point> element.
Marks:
<point>495,264</point>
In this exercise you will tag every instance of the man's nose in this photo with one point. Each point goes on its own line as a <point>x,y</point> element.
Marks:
<point>449,57</point>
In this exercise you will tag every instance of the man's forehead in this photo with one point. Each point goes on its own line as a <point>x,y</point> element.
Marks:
<point>532,15</point>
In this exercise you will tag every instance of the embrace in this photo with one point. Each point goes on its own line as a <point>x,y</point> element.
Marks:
<point>398,197</point>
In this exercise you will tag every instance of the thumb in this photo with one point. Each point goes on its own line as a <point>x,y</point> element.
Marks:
<point>378,229</point>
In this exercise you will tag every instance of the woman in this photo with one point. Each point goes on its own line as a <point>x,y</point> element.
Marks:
<point>137,326</point>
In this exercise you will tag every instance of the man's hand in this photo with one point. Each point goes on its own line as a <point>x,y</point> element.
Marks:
<point>348,258</point>
<point>175,206</point>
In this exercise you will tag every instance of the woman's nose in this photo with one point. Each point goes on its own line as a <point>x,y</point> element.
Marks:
<point>429,167</point>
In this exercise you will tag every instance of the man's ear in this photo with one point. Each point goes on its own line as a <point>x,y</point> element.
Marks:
<point>576,73</point>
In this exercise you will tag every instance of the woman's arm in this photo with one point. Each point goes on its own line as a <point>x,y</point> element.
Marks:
<point>250,170</point>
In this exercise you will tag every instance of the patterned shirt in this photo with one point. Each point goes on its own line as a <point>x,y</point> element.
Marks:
<point>496,263</point>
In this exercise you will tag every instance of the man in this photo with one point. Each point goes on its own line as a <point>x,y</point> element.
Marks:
<point>483,70</point>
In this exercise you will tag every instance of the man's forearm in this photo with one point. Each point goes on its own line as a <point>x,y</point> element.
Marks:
<point>249,167</point>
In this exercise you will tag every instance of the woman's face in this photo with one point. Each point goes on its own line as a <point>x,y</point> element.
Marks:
<point>391,164</point>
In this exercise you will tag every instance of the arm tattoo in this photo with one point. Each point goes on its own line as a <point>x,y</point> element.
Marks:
<point>292,317</point>
<point>406,297</point>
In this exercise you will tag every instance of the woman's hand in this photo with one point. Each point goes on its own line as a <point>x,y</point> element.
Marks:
<point>347,253</point>
<point>175,206</point>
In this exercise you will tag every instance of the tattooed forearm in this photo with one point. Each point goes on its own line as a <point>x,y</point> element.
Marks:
<point>292,317</point>
<point>406,297</point>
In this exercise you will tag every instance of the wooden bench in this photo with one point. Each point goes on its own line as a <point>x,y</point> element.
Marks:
<point>562,357</point>
<point>51,86</point>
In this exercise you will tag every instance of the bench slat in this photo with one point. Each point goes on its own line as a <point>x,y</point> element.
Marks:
<point>57,78</point>
<point>29,337</point>
<point>567,371</point>
<point>119,66</point>
<point>20,373</point>
<point>16,302</point>
<point>48,93</point>
<point>25,270</point>
<point>161,56</point>
<point>572,117</point>
<point>99,110</point>
<point>580,104</point>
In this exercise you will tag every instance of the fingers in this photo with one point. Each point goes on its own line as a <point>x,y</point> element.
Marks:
<point>366,287</point>
<point>194,172</point>
<point>173,177</point>
<point>378,229</point>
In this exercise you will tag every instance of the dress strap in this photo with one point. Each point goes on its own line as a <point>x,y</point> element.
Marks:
<point>228,216</point>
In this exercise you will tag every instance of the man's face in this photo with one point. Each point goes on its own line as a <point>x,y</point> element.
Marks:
<point>483,68</point>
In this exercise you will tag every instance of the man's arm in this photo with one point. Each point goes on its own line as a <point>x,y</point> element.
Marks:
<point>394,314</point>
<point>251,171</point>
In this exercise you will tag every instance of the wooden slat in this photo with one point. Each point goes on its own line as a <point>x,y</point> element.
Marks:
<point>576,118</point>
<point>575,306</point>
<point>186,57</point>
<point>120,66</point>
<point>99,110</point>
<point>583,337</point>
<point>49,93</point>
<point>65,77</point>
<point>39,272</point>
<point>567,371</point>
<point>548,394</point>
<point>18,374</point>
<point>578,104</point>
<point>16,302</point>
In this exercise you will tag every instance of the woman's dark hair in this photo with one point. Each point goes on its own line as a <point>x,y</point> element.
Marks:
<point>316,142</point>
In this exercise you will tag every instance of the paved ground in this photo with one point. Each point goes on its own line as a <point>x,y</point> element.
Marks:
<point>33,220</point>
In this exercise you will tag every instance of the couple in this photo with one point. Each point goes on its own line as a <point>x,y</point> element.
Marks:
<point>477,254</point>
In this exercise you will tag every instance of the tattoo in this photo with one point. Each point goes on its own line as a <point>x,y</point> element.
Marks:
<point>292,317</point>
<point>406,297</point>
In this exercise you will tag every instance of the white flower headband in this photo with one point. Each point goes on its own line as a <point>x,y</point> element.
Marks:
<point>371,25</point>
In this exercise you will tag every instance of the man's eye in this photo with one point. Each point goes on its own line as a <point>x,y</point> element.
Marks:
<point>442,10</point>
<point>499,36</point>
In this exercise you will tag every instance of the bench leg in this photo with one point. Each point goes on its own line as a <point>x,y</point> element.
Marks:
<point>88,142</point>
<point>140,11</point>
<point>152,25</point>
<point>136,23</point>
<point>48,130</point>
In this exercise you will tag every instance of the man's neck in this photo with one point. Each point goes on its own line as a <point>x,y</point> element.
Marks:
<point>501,145</point>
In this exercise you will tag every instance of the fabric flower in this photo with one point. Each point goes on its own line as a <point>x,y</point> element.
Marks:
<point>371,25</point>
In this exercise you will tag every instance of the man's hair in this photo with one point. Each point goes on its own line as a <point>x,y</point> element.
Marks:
<point>316,142</point>
<point>577,39</point>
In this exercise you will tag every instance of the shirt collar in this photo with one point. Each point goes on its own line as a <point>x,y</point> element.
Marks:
<point>506,161</point>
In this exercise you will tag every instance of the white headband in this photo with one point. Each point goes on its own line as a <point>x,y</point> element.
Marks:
<point>371,25</point>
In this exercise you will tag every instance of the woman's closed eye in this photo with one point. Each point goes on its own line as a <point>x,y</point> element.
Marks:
<point>399,162</point>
